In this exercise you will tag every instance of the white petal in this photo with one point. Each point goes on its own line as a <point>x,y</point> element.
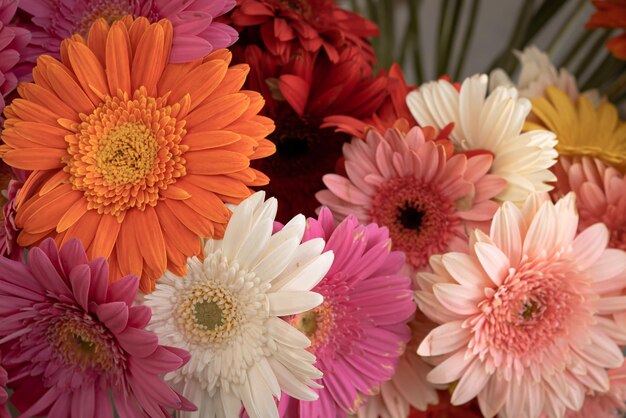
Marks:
<point>307,276</point>
<point>291,303</point>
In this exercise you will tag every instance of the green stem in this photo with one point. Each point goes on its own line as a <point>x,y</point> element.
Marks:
<point>569,22</point>
<point>414,9</point>
<point>506,60</point>
<point>605,70</point>
<point>617,88</point>
<point>409,35</point>
<point>576,47</point>
<point>596,48</point>
<point>542,16</point>
<point>450,36</point>
<point>389,36</point>
<point>467,38</point>
<point>444,19</point>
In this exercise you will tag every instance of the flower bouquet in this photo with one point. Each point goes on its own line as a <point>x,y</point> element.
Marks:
<point>286,209</point>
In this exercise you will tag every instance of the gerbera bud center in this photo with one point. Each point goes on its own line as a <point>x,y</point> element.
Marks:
<point>307,323</point>
<point>84,343</point>
<point>127,153</point>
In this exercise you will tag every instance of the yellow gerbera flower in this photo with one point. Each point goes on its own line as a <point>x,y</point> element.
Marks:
<point>581,128</point>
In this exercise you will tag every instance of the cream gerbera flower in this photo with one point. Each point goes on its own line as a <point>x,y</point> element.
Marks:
<point>225,313</point>
<point>493,123</point>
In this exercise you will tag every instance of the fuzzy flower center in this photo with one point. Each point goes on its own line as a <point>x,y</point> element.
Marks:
<point>84,343</point>
<point>332,327</point>
<point>109,10</point>
<point>535,306</point>
<point>618,238</point>
<point>209,314</point>
<point>126,152</point>
<point>420,219</point>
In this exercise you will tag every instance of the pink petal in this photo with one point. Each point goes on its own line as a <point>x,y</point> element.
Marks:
<point>444,339</point>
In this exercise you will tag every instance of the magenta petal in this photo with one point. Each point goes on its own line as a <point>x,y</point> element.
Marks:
<point>161,361</point>
<point>139,316</point>
<point>125,289</point>
<point>80,277</point>
<point>46,273</point>
<point>72,254</point>
<point>114,315</point>
<point>138,342</point>
<point>183,354</point>
<point>99,279</point>
<point>83,402</point>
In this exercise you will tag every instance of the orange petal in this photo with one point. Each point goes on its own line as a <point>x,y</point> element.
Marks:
<point>253,127</point>
<point>148,236</point>
<point>50,210</point>
<point>118,55</point>
<point>105,237</point>
<point>256,104</point>
<point>128,252</point>
<point>174,232</point>
<point>179,270</point>
<point>209,139</point>
<point>246,176</point>
<point>84,229</point>
<point>199,225</point>
<point>218,113</point>
<point>205,202</point>
<point>39,134</point>
<point>46,98</point>
<point>136,30</point>
<point>173,73</point>
<point>246,146</point>
<point>68,90</point>
<point>232,82</point>
<point>265,148</point>
<point>97,38</point>
<point>26,240</point>
<point>32,185</point>
<point>57,179</point>
<point>220,184</point>
<point>215,162</point>
<point>148,279</point>
<point>200,82</point>
<point>175,192</point>
<point>30,111</point>
<point>114,268</point>
<point>148,61</point>
<point>35,158</point>
<point>88,70</point>
<point>73,214</point>
<point>260,179</point>
<point>220,54</point>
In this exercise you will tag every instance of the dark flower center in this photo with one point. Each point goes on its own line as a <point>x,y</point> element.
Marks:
<point>410,217</point>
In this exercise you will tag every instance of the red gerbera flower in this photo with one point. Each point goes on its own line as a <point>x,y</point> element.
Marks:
<point>392,113</point>
<point>611,14</point>
<point>285,26</point>
<point>299,95</point>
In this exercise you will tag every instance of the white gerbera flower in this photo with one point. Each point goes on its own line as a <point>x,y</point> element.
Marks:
<point>493,123</point>
<point>226,311</point>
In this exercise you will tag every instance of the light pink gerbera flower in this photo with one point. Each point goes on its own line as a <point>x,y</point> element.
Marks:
<point>525,315</point>
<point>412,185</point>
<point>360,330</point>
<point>69,338</point>
<point>600,192</point>
<point>196,33</point>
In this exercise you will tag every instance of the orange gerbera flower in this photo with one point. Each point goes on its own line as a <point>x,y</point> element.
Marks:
<point>131,154</point>
<point>611,14</point>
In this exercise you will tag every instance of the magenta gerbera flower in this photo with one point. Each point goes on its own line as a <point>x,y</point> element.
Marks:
<point>69,339</point>
<point>360,330</point>
<point>4,397</point>
<point>196,33</point>
<point>13,51</point>
<point>526,323</point>
<point>416,187</point>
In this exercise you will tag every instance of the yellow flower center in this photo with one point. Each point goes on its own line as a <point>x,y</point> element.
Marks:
<point>209,315</point>
<point>126,152</point>
<point>83,343</point>
<point>307,323</point>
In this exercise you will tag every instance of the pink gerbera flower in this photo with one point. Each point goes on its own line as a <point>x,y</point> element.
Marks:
<point>196,33</point>
<point>611,404</point>
<point>414,186</point>
<point>360,330</point>
<point>70,338</point>
<point>13,51</point>
<point>526,315</point>
<point>600,191</point>
<point>4,397</point>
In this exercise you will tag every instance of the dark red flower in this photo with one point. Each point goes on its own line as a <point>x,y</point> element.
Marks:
<point>286,26</point>
<point>299,95</point>
<point>611,14</point>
